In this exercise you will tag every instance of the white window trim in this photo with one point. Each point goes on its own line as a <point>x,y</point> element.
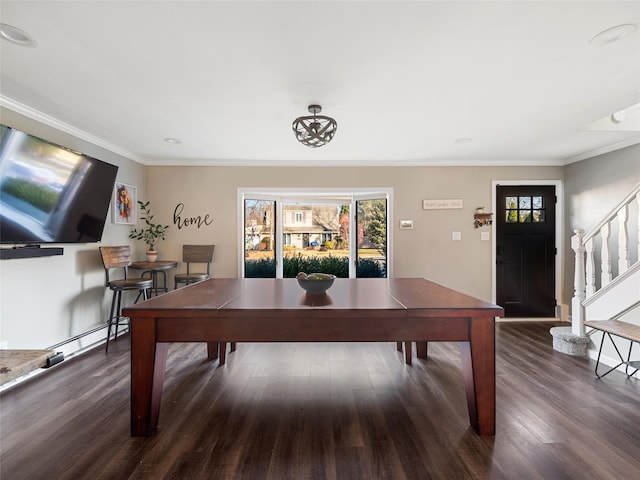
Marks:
<point>316,196</point>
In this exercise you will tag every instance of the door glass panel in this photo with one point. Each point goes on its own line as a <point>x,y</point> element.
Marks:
<point>259,239</point>
<point>524,210</point>
<point>371,238</point>
<point>511,212</point>
<point>525,202</point>
<point>524,216</point>
<point>538,216</point>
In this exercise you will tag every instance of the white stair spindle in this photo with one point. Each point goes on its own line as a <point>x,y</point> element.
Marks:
<point>590,268</point>
<point>605,257</point>
<point>623,238</point>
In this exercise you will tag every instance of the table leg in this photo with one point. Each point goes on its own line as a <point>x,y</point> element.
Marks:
<point>479,370</point>
<point>212,350</point>
<point>154,283</point>
<point>156,289</point>
<point>407,352</point>
<point>148,364</point>
<point>421,349</point>
<point>223,353</point>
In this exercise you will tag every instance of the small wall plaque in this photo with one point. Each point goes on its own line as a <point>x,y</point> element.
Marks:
<point>442,204</point>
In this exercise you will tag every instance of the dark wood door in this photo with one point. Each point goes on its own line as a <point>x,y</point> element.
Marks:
<point>525,250</point>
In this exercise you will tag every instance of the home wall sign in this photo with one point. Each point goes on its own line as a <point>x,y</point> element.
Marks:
<point>189,221</point>
<point>442,204</point>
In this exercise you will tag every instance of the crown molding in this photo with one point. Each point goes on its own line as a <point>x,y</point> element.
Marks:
<point>602,150</point>
<point>423,162</point>
<point>45,119</point>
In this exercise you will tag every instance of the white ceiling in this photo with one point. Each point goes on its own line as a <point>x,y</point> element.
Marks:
<point>403,79</point>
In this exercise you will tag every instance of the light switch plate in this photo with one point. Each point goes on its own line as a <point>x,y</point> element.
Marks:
<point>484,235</point>
<point>456,235</point>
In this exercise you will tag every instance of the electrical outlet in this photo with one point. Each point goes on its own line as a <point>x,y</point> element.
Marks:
<point>456,236</point>
<point>484,236</point>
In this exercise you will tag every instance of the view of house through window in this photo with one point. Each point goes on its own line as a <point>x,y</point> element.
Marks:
<point>371,219</point>
<point>259,238</point>
<point>291,233</point>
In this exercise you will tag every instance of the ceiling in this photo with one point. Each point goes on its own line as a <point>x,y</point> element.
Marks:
<point>408,82</point>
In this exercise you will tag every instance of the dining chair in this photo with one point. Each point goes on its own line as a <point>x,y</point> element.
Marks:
<point>198,254</point>
<point>114,259</point>
<point>421,350</point>
<point>219,350</point>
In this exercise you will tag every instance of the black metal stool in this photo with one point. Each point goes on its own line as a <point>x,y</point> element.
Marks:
<point>120,257</point>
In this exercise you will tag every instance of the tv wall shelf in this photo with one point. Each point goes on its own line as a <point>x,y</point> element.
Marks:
<point>29,252</point>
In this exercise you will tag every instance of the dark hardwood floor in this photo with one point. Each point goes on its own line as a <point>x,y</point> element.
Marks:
<point>326,411</point>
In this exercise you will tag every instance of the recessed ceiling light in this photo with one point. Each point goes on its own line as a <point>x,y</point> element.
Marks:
<point>462,140</point>
<point>15,35</point>
<point>171,140</point>
<point>613,34</point>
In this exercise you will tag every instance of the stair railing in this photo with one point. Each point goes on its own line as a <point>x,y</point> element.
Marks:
<point>585,247</point>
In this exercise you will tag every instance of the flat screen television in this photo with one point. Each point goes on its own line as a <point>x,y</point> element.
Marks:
<point>49,193</point>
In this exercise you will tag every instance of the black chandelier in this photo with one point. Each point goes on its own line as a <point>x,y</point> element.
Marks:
<point>314,130</point>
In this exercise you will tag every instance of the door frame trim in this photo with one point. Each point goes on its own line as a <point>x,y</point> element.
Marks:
<point>559,240</point>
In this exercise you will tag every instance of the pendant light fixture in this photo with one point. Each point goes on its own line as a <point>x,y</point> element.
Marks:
<point>314,130</point>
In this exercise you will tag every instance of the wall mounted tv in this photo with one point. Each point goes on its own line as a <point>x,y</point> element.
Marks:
<point>49,193</point>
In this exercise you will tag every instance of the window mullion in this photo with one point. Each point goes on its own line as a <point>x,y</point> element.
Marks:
<point>279,246</point>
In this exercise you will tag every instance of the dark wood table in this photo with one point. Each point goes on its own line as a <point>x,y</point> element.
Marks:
<point>278,310</point>
<point>153,268</point>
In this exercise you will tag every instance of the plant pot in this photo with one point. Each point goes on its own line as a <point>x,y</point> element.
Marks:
<point>152,255</point>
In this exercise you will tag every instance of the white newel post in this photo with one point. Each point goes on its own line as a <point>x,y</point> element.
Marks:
<point>572,340</point>
<point>577,309</point>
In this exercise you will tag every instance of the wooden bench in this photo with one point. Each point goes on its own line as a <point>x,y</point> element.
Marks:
<point>620,329</point>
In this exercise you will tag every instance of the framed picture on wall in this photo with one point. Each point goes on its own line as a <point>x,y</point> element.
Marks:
<point>124,204</point>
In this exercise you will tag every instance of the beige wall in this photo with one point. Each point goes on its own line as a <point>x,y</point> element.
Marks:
<point>425,251</point>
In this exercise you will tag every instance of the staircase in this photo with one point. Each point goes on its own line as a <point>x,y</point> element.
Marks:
<point>607,268</point>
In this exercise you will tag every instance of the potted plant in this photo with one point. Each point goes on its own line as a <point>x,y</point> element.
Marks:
<point>151,233</point>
